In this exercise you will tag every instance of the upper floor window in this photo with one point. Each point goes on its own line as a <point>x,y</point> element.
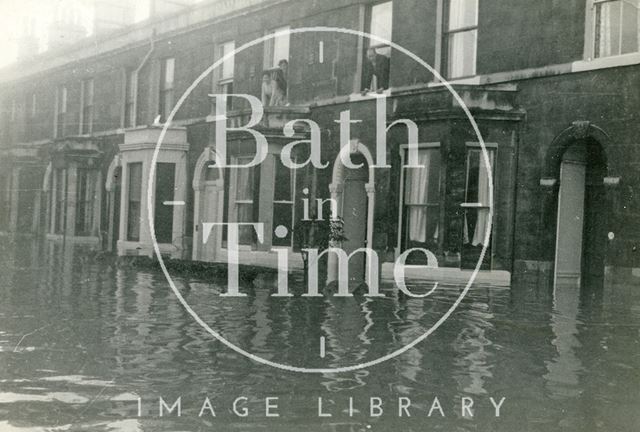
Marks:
<point>617,27</point>
<point>61,111</point>
<point>14,110</point>
<point>275,85</point>
<point>86,121</point>
<point>226,71</point>
<point>34,105</point>
<point>375,73</point>
<point>277,48</point>
<point>129,98</point>
<point>167,78</point>
<point>461,37</point>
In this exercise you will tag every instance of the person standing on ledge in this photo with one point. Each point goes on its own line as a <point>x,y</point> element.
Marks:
<point>376,75</point>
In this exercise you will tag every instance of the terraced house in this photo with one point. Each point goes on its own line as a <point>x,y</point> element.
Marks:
<point>552,84</point>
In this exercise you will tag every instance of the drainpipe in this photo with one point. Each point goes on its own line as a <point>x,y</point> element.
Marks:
<point>136,72</point>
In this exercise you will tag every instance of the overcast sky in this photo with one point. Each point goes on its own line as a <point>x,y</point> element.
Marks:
<point>15,15</point>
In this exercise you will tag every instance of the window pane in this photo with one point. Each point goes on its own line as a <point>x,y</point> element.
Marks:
<point>135,192</point>
<point>165,189</point>
<point>478,191</point>
<point>60,200</point>
<point>281,46</point>
<point>244,183</point>
<point>283,182</point>
<point>62,100</point>
<point>462,54</point>
<point>84,202</point>
<point>169,73</point>
<point>463,13</point>
<point>228,66</point>
<point>245,214</point>
<point>381,23</point>
<point>422,185</point>
<point>88,93</point>
<point>478,187</point>
<point>166,103</point>
<point>630,26</point>
<point>422,198</point>
<point>608,29</point>
<point>421,225</point>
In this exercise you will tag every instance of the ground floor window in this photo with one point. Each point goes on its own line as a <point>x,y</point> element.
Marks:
<point>421,201</point>
<point>5,200</point>
<point>134,189</point>
<point>243,193</point>
<point>165,189</point>
<point>477,208</point>
<point>85,198</point>
<point>58,200</point>
<point>477,197</point>
<point>28,186</point>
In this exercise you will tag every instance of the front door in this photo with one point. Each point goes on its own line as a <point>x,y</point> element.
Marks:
<point>211,209</point>
<point>570,228</point>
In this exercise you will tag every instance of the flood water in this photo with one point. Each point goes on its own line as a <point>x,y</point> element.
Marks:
<point>84,344</point>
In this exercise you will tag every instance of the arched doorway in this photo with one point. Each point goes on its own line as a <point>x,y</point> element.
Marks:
<point>353,190</point>
<point>208,186</point>
<point>581,231</point>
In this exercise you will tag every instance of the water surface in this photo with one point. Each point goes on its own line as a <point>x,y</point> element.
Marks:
<point>82,341</point>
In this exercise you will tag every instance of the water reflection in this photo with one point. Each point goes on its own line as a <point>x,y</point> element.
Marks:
<point>83,341</point>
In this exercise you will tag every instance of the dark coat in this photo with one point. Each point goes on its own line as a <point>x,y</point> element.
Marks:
<point>380,70</point>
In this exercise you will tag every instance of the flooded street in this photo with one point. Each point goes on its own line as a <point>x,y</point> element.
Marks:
<point>87,345</point>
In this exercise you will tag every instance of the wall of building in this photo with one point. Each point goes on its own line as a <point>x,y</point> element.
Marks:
<point>605,99</point>
<point>511,35</point>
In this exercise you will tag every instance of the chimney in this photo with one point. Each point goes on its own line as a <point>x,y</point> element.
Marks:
<point>160,8</point>
<point>66,27</point>
<point>27,42</point>
<point>111,15</point>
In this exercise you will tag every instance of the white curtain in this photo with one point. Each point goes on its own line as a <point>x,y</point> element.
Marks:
<point>417,194</point>
<point>484,191</point>
<point>605,47</point>
<point>480,229</point>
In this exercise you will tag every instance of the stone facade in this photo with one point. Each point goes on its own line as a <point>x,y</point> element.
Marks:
<point>537,90</point>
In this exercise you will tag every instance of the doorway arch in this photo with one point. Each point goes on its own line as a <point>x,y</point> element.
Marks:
<point>208,187</point>
<point>356,186</point>
<point>580,162</point>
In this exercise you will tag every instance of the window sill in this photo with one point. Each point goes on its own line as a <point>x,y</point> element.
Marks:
<point>474,80</point>
<point>606,62</point>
